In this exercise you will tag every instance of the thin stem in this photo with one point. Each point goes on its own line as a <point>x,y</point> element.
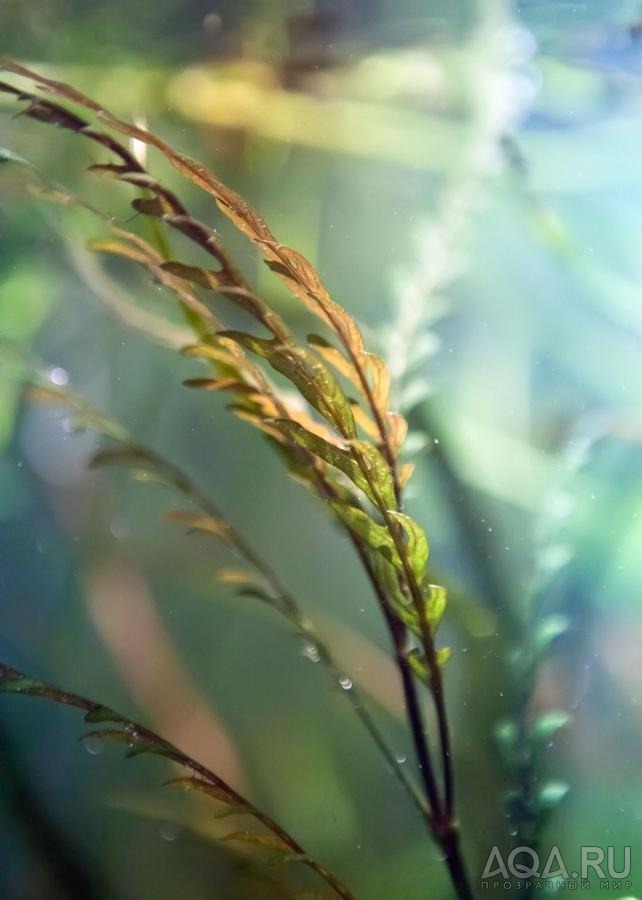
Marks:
<point>13,677</point>
<point>291,610</point>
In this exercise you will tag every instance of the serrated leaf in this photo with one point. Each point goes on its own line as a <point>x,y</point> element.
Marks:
<point>314,381</point>
<point>260,839</point>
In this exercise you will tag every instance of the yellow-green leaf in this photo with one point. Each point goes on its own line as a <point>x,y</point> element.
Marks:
<point>314,380</point>
<point>416,543</point>
<point>338,457</point>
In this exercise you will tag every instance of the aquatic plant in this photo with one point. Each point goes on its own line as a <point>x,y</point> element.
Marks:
<point>345,450</point>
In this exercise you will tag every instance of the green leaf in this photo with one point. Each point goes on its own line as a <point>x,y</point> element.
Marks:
<point>109,734</point>
<point>103,714</point>
<point>548,631</point>
<point>330,453</point>
<point>418,661</point>
<point>417,550</point>
<point>314,380</point>
<point>21,685</point>
<point>506,732</point>
<point>379,473</point>
<point>435,599</point>
<point>336,358</point>
<point>549,724</point>
<point>507,737</point>
<point>147,745</point>
<point>552,794</point>
<point>376,536</point>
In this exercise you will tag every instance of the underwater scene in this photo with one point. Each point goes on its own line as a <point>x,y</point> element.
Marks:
<point>320,449</point>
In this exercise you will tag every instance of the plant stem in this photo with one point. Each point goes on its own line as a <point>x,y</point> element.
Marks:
<point>449,842</point>
<point>10,682</point>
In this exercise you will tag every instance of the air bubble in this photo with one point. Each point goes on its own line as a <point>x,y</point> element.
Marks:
<point>311,651</point>
<point>94,746</point>
<point>168,832</point>
<point>58,376</point>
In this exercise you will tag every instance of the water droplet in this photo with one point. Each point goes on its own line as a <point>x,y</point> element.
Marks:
<point>58,376</point>
<point>346,683</point>
<point>168,832</point>
<point>94,746</point>
<point>401,758</point>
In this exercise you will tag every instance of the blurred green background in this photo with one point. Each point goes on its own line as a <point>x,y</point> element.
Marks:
<point>467,177</point>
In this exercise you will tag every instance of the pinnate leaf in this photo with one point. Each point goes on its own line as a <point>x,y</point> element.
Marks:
<point>198,522</point>
<point>314,381</point>
<point>261,839</point>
